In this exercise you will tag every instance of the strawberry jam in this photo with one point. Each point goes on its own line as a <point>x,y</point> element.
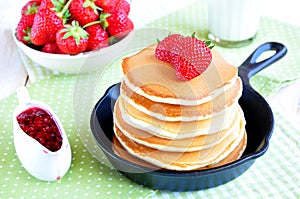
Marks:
<point>40,125</point>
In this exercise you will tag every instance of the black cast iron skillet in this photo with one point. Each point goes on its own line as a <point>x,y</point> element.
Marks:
<point>259,127</point>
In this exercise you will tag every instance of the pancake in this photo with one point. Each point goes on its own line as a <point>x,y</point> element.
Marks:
<point>156,79</point>
<point>172,112</point>
<point>176,129</point>
<point>120,151</point>
<point>165,123</point>
<point>179,160</point>
<point>233,156</point>
<point>141,136</point>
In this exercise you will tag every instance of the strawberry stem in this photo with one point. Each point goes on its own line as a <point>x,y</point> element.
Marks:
<point>91,4</point>
<point>194,35</point>
<point>65,10</point>
<point>209,44</point>
<point>113,40</point>
<point>31,9</point>
<point>26,37</point>
<point>74,30</point>
<point>91,23</point>
<point>103,20</point>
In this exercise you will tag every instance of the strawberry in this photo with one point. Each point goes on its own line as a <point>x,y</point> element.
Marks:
<point>189,55</point>
<point>106,4</point>
<point>48,20</point>
<point>72,39</point>
<point>31,7</point>
<point>166,48</point>
<point>51,48</point>
<point>116,22</point>
<point>23,31</point>
<point>123,4</point>
<point>192,59</point>
<point>24,26</point>
<point>98,37</point>
<point>29,10</point>
<point>83,11</point>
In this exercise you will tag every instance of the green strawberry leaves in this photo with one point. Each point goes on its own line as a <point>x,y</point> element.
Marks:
<point>74,30</point>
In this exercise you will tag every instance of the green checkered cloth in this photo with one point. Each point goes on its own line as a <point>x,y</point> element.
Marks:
<point>274,175</point>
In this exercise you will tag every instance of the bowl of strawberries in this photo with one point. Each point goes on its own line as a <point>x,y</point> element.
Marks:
<point>74,36</point>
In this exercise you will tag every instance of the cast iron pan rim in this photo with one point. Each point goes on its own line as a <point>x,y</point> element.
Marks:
<point>108,150</point>
<point>268,136</point>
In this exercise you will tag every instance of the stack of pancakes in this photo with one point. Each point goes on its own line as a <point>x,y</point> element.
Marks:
<point>162,122</point>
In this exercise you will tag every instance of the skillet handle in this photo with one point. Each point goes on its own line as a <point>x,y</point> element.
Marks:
<point>250,66</point>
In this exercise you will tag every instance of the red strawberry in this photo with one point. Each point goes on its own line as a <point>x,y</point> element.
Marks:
<point>24,26</point>
<point>29,10</point>
<point>23,31</point>
<point>31,7</point>
<point>106,4</point>
<point>123,4</point>
<point>116,22</point>
<point>166,48</point>
<point>72,39</point>
<point>190,56</point>
<point>192,59</point>
<point>51,48</point>
<point>48,20</point>
<point>83,11</point>
<point>98,37</point>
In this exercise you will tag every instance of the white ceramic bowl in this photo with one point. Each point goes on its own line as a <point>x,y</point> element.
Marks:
<point>76,64</point>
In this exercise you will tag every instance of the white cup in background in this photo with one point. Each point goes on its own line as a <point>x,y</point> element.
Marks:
<point>233,23</point>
